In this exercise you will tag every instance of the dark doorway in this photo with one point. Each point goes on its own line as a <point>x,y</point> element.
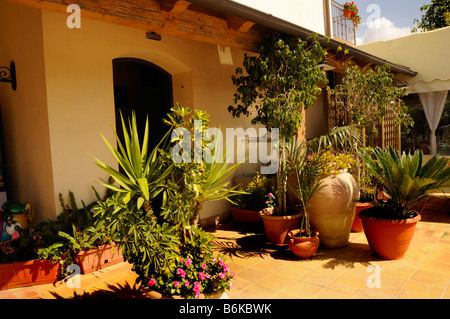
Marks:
<point>145,88</point>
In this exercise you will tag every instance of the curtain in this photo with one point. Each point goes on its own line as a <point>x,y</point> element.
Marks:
<point>433,105</point>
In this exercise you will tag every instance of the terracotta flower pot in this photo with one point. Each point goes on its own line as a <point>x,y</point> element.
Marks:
<point>96,258</point>
<point>27,273</point>
<point>357,226</point>
<point>277,227</point>
<point>348,13</point>
<point>303,247</point>
<point>245,216</point>
<point>332,210</point>
<point>389,238</point>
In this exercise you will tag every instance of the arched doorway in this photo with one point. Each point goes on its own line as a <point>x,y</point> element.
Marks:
<point>146,88</point>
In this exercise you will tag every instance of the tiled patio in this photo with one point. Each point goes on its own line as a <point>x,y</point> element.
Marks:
<point>267,271</point>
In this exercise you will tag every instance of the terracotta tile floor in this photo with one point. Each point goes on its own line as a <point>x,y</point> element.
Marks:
<point>267,271</point>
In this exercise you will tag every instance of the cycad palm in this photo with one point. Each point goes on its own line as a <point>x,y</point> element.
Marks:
<point>404,177</point>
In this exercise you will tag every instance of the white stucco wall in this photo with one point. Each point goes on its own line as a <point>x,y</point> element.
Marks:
<point>305,13</point>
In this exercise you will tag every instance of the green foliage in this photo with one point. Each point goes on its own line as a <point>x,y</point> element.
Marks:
<point>436,16</point>
<point>404,177</point>
<point>331,162</point>
<point>192,277</point>
<point>369,96</point>
<point>279,84</point>
<point>256,193</point>
<point>154,211</point>
<point>308,175</point>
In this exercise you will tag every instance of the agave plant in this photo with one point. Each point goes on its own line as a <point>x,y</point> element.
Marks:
<point>404,177</point>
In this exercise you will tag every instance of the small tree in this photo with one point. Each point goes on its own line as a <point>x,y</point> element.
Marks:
<point>437,15</point>
<point>366,97</point>
<point>369,96</point>
<point>280,83</point>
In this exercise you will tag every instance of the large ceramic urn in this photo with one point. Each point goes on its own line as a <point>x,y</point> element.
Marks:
<point>332,209</point>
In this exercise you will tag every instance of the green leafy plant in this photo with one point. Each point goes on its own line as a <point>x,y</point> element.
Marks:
<point>436,15</point>
<point>256,193</point>
<point>332,162</point>
<point>153,214</point>
<point>308,174</point>
<point>364,97</point>
<point>279,84</point>
<point>25,246</point>
<point>405,179</point>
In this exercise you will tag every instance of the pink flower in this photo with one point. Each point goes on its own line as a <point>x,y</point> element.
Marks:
<point>267,202</point>
<point>188,262</point>
<point>187,283</point>
<point>226,268</point>
<point>181,272</point>
<point>203,266</point>
<point>151,282</point>
<point>221,262</point>
<point>197,287</point>
<point>176,284</point>
<point>15,235</point>
<point>207,276</point>
<point>222,275</point>
<point>201,276</point>
<point>271,195</point>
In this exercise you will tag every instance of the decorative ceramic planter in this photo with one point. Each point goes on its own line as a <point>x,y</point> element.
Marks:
<point>332,210</point>
<point>357,226</point>
<point>303,247</point>
<point>277,227</point>
<point>97,258</point>
<point>389,238</point>
<point>28,273</point>
<point>245,216</point>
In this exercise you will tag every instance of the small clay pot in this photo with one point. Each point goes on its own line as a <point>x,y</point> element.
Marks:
<point>303,247</point>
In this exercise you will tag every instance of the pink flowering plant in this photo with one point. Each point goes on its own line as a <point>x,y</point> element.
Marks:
<point>270,202</point>
<point>24,246</point>
<point>191,278</point>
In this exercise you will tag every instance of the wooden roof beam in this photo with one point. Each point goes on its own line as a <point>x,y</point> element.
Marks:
<point>147,15</point>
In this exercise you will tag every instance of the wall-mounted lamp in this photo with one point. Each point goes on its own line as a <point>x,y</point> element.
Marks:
<point>153,36</point>
<point>325,67</point>
<point>9,75</point>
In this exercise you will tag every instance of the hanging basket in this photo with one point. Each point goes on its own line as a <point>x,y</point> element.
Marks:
<point>347,14</point>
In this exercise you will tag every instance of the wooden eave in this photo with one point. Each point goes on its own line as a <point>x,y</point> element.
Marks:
<point>192,21</point>
<point>166,17</point>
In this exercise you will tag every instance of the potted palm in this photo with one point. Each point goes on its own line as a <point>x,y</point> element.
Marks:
<point>279,84</point>
<point>304,242</point>
<point>390,225</point>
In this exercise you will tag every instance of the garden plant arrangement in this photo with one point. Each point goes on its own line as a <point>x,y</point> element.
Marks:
<point>246,207</point>
<point>389,226</point>
<point>280,84</point>
<point>153,214</point>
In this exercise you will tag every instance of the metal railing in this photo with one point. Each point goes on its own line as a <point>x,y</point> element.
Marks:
<point>343,28</point>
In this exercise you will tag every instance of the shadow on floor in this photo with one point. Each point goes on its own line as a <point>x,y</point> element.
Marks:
<point>256,245</point>
<point>116,291</point>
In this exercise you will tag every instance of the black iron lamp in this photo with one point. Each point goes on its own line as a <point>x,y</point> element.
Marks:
<point>8,75</point>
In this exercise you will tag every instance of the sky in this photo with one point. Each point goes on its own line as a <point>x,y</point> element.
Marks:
<point>387,19</point>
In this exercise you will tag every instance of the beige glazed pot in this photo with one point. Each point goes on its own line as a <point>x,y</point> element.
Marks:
<point>332,210</point>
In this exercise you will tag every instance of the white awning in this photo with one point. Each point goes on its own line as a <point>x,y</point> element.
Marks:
<point>427,53</point>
